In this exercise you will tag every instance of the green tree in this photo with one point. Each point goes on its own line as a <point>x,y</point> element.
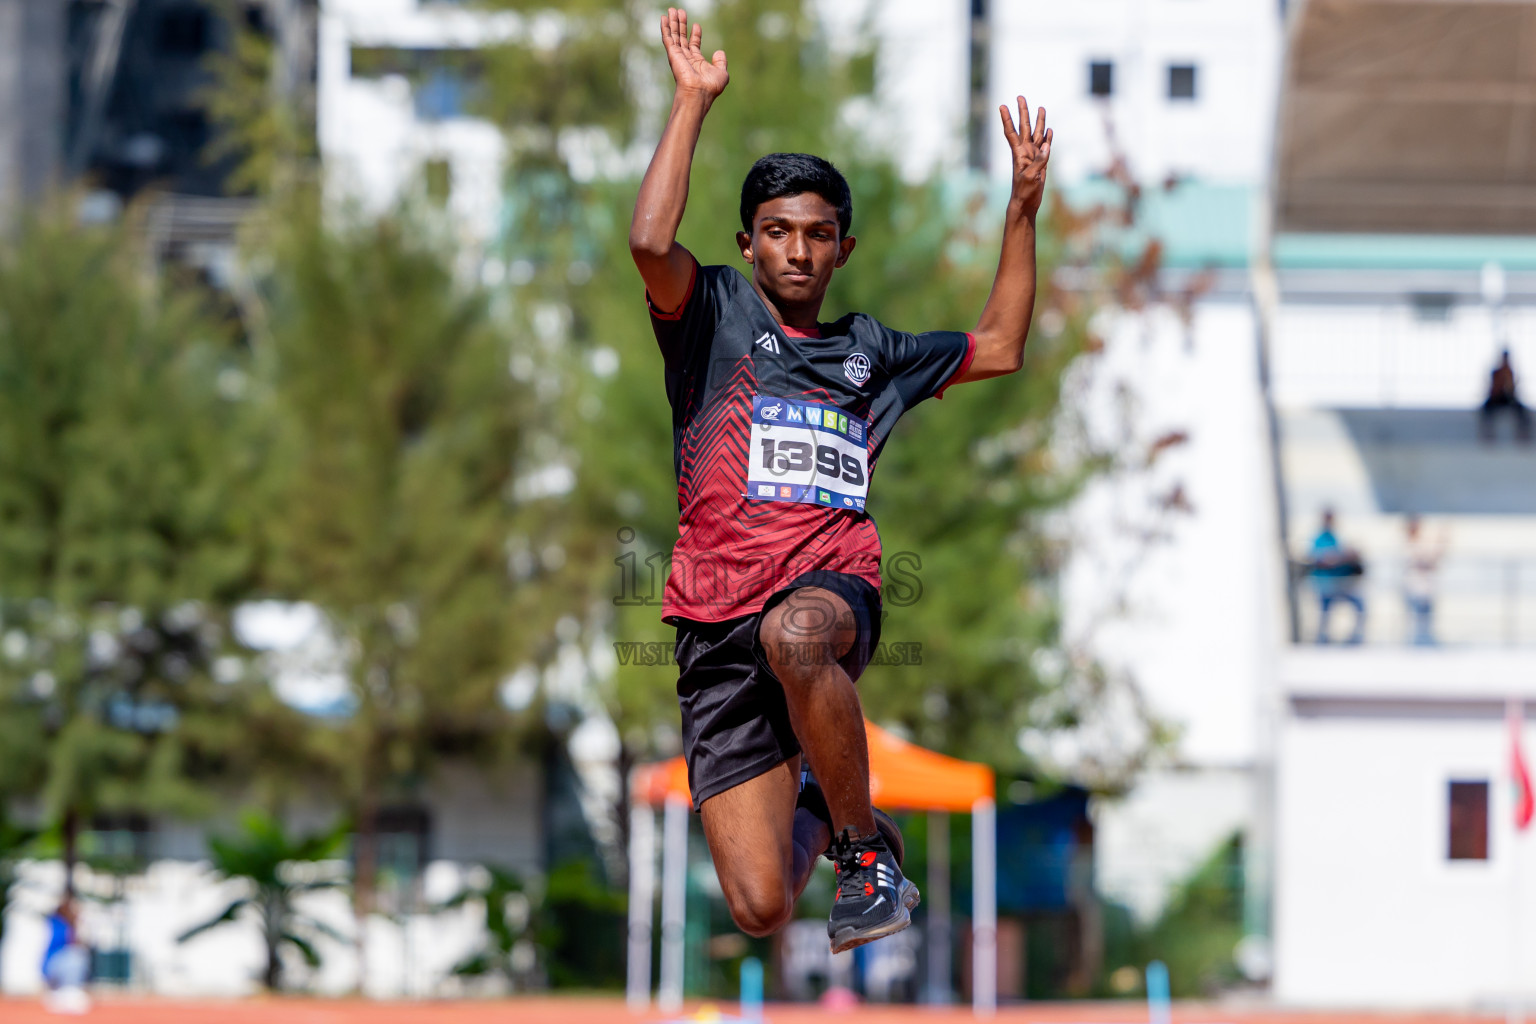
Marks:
<point>508,916</point>
<point>399,440</point>
<point>271,864</point>
<point>123,540</point>
<point>404,454</point>
<point>263,111</point>
<point>567,916</point>
<point>1197,933</point>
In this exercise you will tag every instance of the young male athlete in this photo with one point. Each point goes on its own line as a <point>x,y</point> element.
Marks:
<point>777,420</point>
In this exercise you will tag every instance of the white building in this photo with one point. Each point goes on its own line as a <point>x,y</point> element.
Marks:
<point>1178,90</point>
<point>1398,276</point>
<point>394,105</point>
<point>1400,878</point>
<point>1362,294</point>
<point>1377,374</point>
<point>1185,86</point>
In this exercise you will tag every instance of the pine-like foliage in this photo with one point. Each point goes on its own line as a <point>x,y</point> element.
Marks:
<point>124,539</point>
<point>398,438</point>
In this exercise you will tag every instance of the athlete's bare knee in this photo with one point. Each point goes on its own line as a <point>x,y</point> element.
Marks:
<point>796,662</point>
<point>759,909</point>
<point>803,636</point>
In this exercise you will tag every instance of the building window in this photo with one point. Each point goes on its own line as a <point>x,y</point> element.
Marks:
<point>440,95</point>
<point>404,837</point>
<point>1432,307</point>
<point>1101,78</point>
<point>1468,820</point>
<point>445,83</point>
<point>1181,81</point>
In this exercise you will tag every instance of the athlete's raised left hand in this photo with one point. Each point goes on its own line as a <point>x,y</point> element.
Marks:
<point>1031,152</point>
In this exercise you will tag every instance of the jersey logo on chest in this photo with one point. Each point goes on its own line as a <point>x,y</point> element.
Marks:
<point>768,342</point>
<point>856,369</point>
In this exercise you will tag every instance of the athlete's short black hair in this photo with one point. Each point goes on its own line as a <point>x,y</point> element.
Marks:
<point>791,174</point>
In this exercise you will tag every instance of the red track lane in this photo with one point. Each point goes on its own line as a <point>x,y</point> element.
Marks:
<point>599,1010</point>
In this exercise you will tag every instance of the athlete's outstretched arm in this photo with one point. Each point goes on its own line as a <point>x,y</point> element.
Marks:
<point>1004,322</point>
<point>664,265</point>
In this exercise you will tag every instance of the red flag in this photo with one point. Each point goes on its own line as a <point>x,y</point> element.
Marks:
<point>1525,802</point>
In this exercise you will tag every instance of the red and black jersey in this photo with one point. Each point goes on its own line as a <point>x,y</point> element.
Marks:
<point>735,376</point>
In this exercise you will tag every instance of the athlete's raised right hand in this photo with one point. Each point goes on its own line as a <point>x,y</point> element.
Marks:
<point>692,71</point>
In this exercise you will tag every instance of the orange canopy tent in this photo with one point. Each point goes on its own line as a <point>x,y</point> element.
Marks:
<point>902,776</point>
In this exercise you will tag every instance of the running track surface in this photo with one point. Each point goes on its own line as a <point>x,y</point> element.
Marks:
<point>590,1010</point>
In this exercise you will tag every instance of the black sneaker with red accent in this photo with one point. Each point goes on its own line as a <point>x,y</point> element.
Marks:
<point>873,899</point>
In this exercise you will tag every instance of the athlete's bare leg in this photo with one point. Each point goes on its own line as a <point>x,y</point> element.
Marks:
<point>764,849</point>
<point>803,636</point>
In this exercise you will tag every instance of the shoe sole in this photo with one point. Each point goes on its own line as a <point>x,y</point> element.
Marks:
<point>848,938</point>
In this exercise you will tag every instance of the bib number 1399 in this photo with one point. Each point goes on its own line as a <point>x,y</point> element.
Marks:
<point>796,457</point>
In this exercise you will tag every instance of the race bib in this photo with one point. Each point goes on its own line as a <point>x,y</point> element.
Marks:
<point>807,453</point>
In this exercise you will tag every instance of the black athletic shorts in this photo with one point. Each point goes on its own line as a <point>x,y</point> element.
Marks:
<point>735,718</point>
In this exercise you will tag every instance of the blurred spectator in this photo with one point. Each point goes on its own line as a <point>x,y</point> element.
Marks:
<point>66,963</point>
<point>1335,571</point>
<point>1502,395</point>
<point>1423,566</point>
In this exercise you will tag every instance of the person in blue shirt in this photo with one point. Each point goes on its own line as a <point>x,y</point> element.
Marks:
<point>66,963</point>
<point>1335,571</point>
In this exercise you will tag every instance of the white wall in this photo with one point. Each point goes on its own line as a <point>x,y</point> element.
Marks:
<point>1148,841</point>
<point>1368,909</point>
<point>1043,49</point>
<point>1199,611</point>
<point>1382,354</point>
<point>475,820</point>
<point>488,820</point>
<point>412,958</point>
<point>923,76</point>
<point>1201,597</point>
<point>373,145</point>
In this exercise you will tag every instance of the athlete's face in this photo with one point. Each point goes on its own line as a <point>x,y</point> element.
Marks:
<point>794,247</point>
